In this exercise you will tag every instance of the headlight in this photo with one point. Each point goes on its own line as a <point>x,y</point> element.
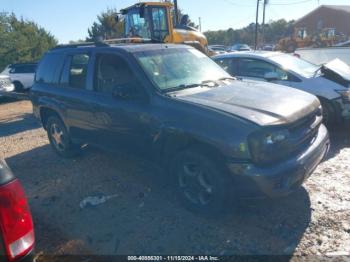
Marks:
<point>345,95</point>
<point>266,145</point>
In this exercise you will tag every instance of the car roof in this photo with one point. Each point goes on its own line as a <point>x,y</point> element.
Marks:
<point>130,48</point>
<point>252,54</point>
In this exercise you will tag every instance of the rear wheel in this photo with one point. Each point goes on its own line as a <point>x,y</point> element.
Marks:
<point>203,185</point>
<point>60,139</point>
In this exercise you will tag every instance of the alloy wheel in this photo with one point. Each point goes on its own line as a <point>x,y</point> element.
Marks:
<point>194,183</point>
<point>58,137</point>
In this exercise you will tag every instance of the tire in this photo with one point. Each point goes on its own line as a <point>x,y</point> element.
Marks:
<point>329,115</point>
<point>18,86</point>
<point>202,184</point>
<point>60,139</point>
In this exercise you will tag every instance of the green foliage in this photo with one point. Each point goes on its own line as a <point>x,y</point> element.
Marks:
<point>22,40</point>
<point>106,27</point>
<point>273,31</point>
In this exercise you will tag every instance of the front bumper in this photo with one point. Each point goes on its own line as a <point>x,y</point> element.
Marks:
<point>282,178</point>
<point>6,89</point>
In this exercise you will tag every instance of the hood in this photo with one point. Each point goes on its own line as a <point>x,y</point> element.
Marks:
<point>262,103</point>
<point>337,71</point>
<point>4,77</point>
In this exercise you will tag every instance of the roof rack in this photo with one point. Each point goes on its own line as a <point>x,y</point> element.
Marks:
<point>82,44</point>
<point>105,43</point>
<point>128,40</point>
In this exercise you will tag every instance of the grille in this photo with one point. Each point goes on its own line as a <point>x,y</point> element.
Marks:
<point>5,82</point>
<point>304,132</point>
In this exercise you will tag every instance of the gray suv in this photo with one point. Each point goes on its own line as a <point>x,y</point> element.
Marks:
<point>218,138</point>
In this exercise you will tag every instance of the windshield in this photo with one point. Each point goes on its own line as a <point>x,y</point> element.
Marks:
<point>295,64</point>
<point>175,68</point>
<point>137,26</point>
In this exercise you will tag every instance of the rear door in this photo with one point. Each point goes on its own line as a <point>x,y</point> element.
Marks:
<point>76,99</point>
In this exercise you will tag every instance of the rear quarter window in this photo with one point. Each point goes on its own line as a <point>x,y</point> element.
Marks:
<point>49,69</point>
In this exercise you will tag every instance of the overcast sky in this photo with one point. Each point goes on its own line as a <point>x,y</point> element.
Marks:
<point>70,19</point>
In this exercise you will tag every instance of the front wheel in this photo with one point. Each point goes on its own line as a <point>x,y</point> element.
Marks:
<point>328,113</point>
<point>60,139</point>
<point>203,185</point>
<point>18,86</point>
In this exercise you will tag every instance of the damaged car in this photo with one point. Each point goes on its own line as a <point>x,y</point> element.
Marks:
<point>216,137</point>
<point>5,85</point>
<point>329,82</point>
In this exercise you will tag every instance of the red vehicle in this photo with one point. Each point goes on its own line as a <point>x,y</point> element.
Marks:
<point>16,224</point>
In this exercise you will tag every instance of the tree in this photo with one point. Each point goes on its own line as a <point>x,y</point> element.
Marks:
<point>273,31</point>
<point>180,15</point>
<point>106,27</point>
<point>22,40</point>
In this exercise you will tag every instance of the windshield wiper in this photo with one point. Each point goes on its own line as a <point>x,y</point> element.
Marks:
<point>205,83</point>
<point>227,78</point>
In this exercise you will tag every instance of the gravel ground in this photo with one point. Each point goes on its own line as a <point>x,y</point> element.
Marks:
<point>143,217</point>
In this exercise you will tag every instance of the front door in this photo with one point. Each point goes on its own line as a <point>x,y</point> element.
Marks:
<point>123,113</point>
<point>256,69</point>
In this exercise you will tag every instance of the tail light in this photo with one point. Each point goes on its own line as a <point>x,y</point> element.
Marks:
<point>15,221</point>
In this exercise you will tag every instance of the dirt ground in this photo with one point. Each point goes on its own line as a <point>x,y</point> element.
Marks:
<point>144,218</point>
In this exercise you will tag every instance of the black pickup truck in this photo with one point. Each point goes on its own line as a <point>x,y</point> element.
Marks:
<point>217,137</point>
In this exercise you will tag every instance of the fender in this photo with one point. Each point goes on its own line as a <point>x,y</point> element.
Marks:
<point>172,139</point>
<point>52,105</point>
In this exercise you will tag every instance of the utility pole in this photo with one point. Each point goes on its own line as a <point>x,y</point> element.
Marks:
<point>200,24</point>
<point>176,13</point>
<point>256,25</point>
<point>263,23</point>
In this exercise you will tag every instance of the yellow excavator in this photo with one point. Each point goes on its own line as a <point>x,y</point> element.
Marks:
<point>155,21</point>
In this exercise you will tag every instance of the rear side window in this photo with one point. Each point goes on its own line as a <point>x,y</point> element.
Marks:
<point>49,69</point>
<point>30,69</point>
<point>78,70</point>
<point>23,69</point>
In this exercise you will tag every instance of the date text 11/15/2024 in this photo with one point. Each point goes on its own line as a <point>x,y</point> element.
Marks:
<point>173,258</point>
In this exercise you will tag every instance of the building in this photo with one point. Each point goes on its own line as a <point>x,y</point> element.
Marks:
<point>330,20</point>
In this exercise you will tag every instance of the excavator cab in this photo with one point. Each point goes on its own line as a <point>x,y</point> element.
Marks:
<point>149,21</point>
<point>154,21</point>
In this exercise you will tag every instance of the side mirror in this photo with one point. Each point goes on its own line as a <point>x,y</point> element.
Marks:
<point>271,76</point>
<point>122,92</point>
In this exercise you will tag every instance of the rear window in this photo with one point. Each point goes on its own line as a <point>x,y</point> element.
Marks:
<point>49,69</point>
<point>23,69</point>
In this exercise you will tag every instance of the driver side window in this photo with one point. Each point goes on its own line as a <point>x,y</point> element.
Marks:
<point>258,68</point>
<point>112,71</point>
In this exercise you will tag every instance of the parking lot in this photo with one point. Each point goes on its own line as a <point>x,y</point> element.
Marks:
<point>143,217</point>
